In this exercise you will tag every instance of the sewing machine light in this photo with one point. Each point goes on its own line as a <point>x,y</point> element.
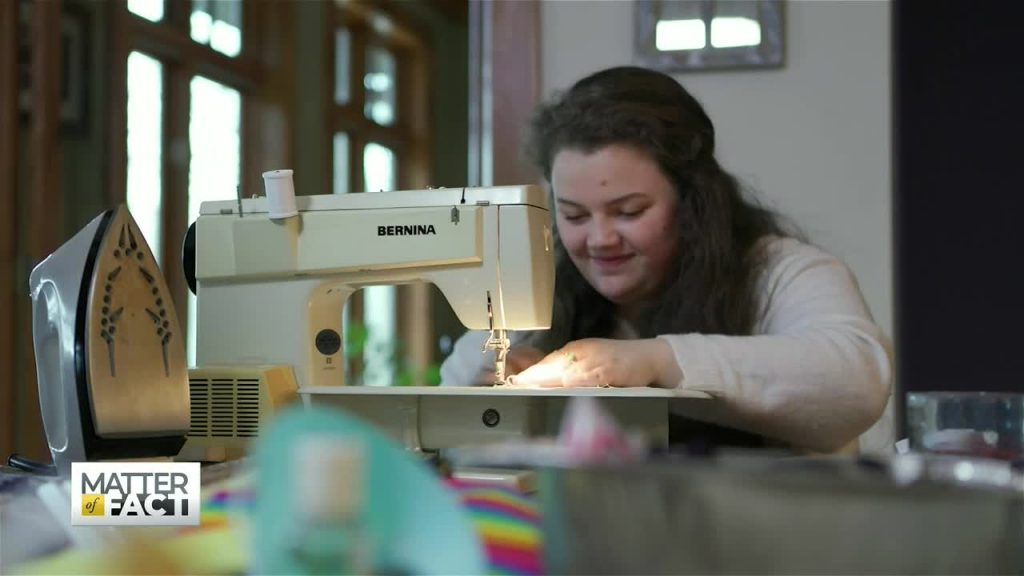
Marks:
<point>280,189</point>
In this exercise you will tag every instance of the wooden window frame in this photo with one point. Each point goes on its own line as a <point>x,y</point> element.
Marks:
<point>20,420</point>
<point>408,138</point>
<point>41,218</point>
<point>182,58</point>
<point>8,222</point>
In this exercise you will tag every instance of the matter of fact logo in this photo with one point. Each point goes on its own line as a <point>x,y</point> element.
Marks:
<point>135,493</point>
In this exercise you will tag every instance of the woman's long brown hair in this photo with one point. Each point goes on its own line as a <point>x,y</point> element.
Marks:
<point>713,291</point>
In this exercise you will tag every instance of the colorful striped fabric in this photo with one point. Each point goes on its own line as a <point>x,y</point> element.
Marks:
<point>509,526</point>
<point>507,521</point>
<point>218,506</point>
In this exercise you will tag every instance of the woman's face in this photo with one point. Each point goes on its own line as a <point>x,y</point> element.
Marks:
<point>616,216</point>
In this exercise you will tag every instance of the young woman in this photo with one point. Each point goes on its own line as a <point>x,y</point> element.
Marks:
<point>667,276</point>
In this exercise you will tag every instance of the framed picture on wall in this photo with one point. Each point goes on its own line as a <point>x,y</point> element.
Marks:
<point>686,35</point>
<point>74,49</point>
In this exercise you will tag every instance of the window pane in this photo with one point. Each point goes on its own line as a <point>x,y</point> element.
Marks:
<point>373,340</point>
<point>380,83</point>
<point>379,356</point>
<point>152,10</point>
<point>341,171</point>
<point>729,32</point>
<point>342,65</point>
<point>680,26</point>
<point>214,136</point>
<point>379,169</point>
<point>735,24</point>
<point>218,23</point>
<point>144,116</point>
<point>680,35</point>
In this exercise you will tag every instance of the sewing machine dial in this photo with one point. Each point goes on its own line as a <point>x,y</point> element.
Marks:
<point>328,342</point>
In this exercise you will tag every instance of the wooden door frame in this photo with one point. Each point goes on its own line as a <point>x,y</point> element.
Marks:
<point>504,79</point>
<point>9,273</point>
<point>44,227</point>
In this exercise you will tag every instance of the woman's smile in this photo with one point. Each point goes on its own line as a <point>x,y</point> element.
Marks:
<point>609,264</point>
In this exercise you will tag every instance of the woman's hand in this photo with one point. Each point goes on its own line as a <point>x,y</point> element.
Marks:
<point>520,358</point>
<point>600,362</point>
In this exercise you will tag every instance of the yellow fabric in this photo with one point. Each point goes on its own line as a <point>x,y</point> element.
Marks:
<point>208,551</point>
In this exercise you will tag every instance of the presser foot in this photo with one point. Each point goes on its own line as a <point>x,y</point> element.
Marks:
<point>499,368</point>
<point>499,342</point>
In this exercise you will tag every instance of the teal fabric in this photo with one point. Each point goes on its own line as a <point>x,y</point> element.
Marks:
<point>413,522</point>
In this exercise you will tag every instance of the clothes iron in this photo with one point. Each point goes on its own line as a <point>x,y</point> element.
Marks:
<point>110,358</point>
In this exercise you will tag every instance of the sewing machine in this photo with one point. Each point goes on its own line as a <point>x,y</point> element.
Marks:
<point>272,276</point>
<point>272,290</point>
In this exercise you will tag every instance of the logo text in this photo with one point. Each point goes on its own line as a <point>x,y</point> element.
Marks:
<point>406,230</point>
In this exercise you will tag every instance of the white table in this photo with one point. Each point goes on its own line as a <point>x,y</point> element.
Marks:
<point>435,417</point>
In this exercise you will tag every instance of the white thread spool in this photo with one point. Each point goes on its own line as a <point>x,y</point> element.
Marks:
<point>280,194</point>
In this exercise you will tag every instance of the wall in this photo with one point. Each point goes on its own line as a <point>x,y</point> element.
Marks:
<point>812,138</point>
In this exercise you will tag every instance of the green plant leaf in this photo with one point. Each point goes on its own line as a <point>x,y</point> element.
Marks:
<point>356,338</point>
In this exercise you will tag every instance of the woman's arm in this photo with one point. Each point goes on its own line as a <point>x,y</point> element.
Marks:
<point>819,371</point>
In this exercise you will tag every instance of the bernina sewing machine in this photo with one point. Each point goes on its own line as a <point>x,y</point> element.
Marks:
<point>272,281</point>
<point>272,276</point>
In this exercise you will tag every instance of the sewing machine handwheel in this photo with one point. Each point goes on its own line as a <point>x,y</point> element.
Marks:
<point>188,257</point>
